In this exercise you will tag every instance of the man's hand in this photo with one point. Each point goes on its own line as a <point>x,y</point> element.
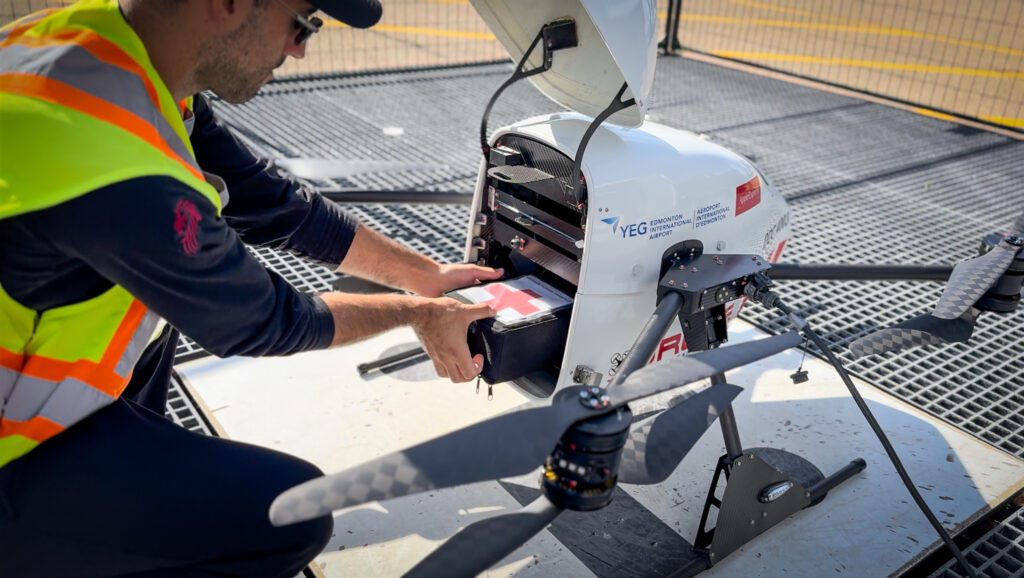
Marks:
<point>375,257</point>
<point>442,325</point>
<point>449,277</point>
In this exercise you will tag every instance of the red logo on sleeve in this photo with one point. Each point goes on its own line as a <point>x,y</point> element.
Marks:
<point>748,195</point>
<point>186,221</point>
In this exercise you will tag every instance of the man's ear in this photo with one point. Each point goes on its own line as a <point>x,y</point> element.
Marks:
<point>228,14</point>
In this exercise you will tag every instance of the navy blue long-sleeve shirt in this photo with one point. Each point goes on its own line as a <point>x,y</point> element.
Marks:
<point>165,244</point>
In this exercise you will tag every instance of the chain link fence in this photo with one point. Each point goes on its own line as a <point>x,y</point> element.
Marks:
<point>956,57</point>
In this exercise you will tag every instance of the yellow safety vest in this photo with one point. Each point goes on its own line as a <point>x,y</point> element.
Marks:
<point>81,107</point>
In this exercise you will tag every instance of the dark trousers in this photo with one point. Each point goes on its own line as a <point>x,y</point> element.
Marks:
<point>128,492</point>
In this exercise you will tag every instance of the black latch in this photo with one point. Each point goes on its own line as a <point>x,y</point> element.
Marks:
<point>560,34</point>
<point>504,157</point>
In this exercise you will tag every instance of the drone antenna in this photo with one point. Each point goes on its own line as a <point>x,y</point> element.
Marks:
<point>800,375</point>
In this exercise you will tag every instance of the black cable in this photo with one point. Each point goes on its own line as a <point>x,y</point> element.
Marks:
<point>519,73</point>
<point>771,299</point>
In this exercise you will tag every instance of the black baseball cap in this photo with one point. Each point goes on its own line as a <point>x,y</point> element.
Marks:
<point>355,13</point>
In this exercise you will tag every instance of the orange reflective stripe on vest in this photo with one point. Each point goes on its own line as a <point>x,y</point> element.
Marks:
<point>43,396</point>
<point>102,49</point>
<point>67,95</point>
<point>78,82</point>
<point>16,29</point>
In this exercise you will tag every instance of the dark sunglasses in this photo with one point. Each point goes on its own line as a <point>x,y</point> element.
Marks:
<point>304,27</point>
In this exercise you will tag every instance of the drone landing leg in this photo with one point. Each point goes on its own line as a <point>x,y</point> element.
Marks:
<point>763,486</point>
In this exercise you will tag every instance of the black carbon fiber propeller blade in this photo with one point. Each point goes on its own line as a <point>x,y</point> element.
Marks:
<point>696,366</point>
<point>656,446</point>
<point>921,330</point>
<point>504,446</point>
<point>972,278</point>
<point>508,445</point>
<point>954,316</point>
<point>482,544</point>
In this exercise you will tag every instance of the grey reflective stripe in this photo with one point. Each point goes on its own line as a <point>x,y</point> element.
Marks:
<point>28,398</point>
<point>7,379</point>
<point>73,401</point>
<point>36,17</point>
<point>76,66</point>
<point>140,339</point>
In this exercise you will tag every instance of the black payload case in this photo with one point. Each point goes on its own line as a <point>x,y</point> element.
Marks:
<point>528,334</point>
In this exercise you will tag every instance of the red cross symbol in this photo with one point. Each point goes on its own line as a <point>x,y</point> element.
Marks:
<point>515,299</point>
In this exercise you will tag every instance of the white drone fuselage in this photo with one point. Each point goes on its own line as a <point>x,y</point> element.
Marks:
<point>647,189</point>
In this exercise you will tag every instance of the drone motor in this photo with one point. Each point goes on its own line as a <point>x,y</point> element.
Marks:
<point>1004,296</point>
<point>582,471</point>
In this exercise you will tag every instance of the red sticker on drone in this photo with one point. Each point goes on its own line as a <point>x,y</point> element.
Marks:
<point>748,195</point>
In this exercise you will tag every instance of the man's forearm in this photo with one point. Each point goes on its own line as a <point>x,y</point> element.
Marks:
<point>375,257</point>
<point>358,317</point>
<point>440,323</point>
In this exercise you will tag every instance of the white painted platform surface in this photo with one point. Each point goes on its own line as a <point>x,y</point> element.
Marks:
<point>315,405</point>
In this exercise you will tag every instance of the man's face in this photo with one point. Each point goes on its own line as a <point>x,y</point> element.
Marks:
<point>236,65</point>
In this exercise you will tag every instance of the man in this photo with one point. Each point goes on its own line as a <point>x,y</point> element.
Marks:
<point>123,203</point>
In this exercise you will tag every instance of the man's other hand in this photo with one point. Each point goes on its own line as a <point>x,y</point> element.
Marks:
<point>442,326</point>
<point>456,276</point>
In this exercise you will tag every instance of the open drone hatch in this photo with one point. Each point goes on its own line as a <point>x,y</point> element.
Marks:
<point>527,227</point>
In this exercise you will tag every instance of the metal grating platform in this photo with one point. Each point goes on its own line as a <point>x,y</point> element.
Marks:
<point>183,412</point>
<point>867,184</point>
<point>998,554</point>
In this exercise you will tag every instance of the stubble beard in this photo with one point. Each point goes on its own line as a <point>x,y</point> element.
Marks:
<point>227,68</point>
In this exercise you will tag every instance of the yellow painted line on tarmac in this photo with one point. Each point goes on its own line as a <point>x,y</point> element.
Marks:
<point>711,19</point>
<point>1000,120</point>
<point>421,30</point>
<point>774,8</point>
<point>857,29</point>
<point>933,114</point>
<point>1003,120</point>
<point>876,64</point>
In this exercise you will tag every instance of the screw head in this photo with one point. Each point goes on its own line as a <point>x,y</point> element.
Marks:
<point>595,398</point>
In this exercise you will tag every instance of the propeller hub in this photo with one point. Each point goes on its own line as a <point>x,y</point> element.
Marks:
<point>595,398</point>
<point>582,471</point>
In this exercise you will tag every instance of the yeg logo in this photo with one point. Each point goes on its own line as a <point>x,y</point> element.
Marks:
<point>631,230</point>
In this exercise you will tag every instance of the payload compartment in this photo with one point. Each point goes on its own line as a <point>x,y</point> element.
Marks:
<point>528,334</point>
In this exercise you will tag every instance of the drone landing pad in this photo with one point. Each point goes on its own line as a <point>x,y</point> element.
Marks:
<point>316,406</point>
